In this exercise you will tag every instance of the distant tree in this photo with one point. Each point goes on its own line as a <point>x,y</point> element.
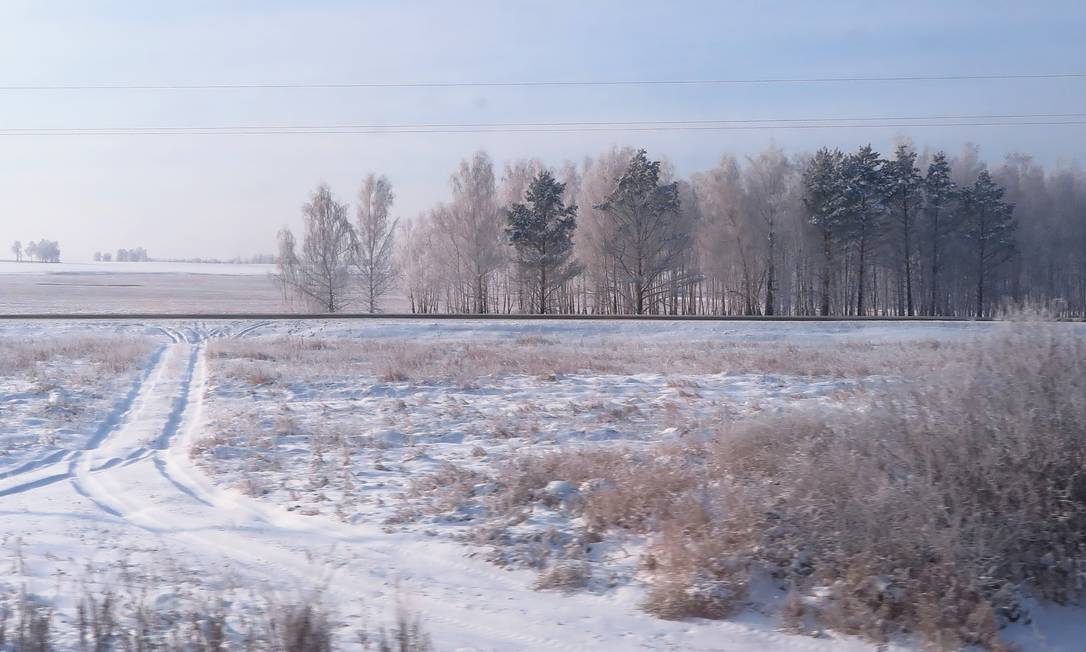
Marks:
<point>646,244</point>
<point>323,274</point>
<point>122,256</point>
<point>903,185</point>
<point>541,230</point>
<point>823,196</point>
<point>472,227</point>
<point>17,249</point>
<point>287,264</point>
<point>989,228</point>
<point>420,270</point>
<point>768,190</point>
<point>107,257</point>
<point>98,256</point>
<point>863,187</point>
<point>45,251</point>
<point>940,221</point>
<point>376,233</point>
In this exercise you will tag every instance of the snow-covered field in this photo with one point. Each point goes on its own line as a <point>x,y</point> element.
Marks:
<point>172,288</point>
<point>178,462</point>
<point>137,287</point>
<point>223,269</point>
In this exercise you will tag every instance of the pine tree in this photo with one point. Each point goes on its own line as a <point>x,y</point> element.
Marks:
<point>648,240</point>
<point>989,228</point>
<point>940,220</point>
<point>903,184</point>
<point>541,231</point>
<point>823,198</point>
<point>863,196</point>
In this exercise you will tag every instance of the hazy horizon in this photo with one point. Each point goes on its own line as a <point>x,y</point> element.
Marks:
<point>182,196</point>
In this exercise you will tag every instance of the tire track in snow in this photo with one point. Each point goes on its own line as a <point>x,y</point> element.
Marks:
<point>137,472</point>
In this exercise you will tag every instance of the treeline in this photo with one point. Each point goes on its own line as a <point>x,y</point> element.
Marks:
<point>43,251</point>
<point>137,255</point>
<point>833,233</point>
<point>256,259</point>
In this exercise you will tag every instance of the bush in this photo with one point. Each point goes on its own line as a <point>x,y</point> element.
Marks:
<point>931,507</point>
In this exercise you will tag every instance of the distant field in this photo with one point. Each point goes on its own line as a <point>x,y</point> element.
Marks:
<point>140,287</point>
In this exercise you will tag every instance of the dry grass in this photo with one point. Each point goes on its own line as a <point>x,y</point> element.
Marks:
<point>103,353</point>
<point>397,361</point>
<point>106,621</point>
<point>931,509</point>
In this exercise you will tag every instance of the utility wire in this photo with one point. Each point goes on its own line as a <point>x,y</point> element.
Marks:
<point>986,120</point>
<point>349,131</point>
<point>509,84</point>
<point>503,125</point>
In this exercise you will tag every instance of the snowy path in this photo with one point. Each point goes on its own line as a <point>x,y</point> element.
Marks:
<point>134,480</point>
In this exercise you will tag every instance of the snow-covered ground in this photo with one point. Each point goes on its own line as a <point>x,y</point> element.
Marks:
<point>230,269</point>
<point>283,457</point>
<point>173,288</point>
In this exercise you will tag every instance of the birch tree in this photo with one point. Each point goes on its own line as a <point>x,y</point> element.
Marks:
<point>375,235</point>
<point>320,275</point>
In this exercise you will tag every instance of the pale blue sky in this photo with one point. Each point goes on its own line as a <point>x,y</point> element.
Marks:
<point>225,196</point>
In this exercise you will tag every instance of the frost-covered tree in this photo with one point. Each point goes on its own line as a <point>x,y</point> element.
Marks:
<point>940,221</point>
<point>541,229</point>
<point>17,249</point>
<point>45,251</point>
<point>420,268</point>
<point>473,225</point>
<point>648,240</point>
<point>988,228</point>
<point>376,233</point>
<point>903,186</point>
<point>595,230</point>
<point>320,274</point>
<point>287,265</point>
<point>98,256</point>
<point>725,239</point>
<point>863,188</point>
<point>768,186</point>
<point>823,195</point>
<point>107,257</point>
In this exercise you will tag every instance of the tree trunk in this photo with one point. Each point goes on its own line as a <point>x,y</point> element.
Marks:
<point>770,277</point>
<point>827,248</point>
<point>860,273</point>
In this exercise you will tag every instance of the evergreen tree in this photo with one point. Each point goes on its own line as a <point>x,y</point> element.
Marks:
<point>903,185</point>
<point>989,228</point>
<point>940,221</point>
<point>648,241</point>
<point>822,195</point>
<point>541,231</point>
<point>863,187</point>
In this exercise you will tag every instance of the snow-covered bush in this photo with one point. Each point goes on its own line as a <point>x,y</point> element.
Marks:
<point>930,508</point>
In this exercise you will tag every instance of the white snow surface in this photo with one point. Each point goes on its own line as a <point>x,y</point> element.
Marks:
<point>150,267</point>
<point>130,491</point>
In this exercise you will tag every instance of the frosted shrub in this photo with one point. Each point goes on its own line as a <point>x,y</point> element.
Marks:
<point>931,508</point>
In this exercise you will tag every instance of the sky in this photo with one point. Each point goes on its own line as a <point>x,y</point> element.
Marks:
<point>187,195</point>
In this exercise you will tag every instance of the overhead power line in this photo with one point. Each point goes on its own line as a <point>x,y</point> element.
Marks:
<point>986,120</point>
<point>510,84</point>
<point>578,123</point>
